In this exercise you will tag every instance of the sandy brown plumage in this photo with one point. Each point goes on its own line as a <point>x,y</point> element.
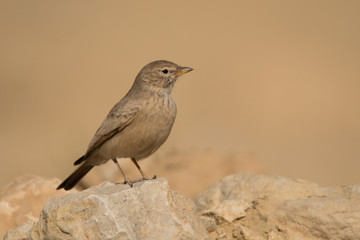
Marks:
<point>137,125</point>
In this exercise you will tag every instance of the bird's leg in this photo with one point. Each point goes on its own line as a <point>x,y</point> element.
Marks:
<point>141,171</point>
<point>126,180</point>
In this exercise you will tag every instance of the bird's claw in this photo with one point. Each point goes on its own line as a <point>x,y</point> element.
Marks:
<point>128,181</point>
<point>146,178</point>
<point>131,182</point>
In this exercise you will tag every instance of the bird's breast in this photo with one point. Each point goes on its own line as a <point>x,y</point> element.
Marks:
<point>158,115</point>
<point>160,109</point>
<point>148,131</point>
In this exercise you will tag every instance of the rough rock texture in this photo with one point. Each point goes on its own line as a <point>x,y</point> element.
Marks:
<point>23,199</point>
<point>23,232</point>
<point>244,206</point>
<point>259,207</point>
<point>149,210</point>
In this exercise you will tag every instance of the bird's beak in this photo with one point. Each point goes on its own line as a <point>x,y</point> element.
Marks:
<point>182,71</point>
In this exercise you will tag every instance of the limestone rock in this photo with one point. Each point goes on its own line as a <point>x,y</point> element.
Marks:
<point>23,232</point>
<point>23,199</point>
<point>249,206</point>
<point>149,210</point>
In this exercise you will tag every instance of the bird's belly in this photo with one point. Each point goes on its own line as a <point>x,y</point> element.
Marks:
<point>141,138</point>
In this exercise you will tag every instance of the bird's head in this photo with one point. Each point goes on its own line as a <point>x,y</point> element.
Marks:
<point>160,74</point>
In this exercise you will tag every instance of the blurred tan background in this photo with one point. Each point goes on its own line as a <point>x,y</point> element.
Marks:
<point>276,81</point>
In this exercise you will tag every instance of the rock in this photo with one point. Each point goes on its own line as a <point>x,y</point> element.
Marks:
<point>23,232</point>
<point>149,210</point>
<point>244,207</point>
<point>23,199</point>
<point>249,206</point>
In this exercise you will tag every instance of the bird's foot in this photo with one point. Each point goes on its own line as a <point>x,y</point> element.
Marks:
<point>131,182</point>
<point>128,181</point>
<point>146,178</point>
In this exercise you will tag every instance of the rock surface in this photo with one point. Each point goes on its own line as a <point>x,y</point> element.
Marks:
<point>243,206</point>
<point>149,210</point>
<point>251,207</point>
<point>23,199</point>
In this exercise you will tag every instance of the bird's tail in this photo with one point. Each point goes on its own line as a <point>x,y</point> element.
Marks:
<point>75,177</point>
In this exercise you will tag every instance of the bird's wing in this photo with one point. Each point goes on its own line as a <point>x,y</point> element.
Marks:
<point>115,122</point>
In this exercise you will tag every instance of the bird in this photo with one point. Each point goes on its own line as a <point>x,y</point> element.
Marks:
<point>137,125</point>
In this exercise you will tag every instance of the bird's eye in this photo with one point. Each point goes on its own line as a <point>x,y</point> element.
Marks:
<point>165,71</point>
